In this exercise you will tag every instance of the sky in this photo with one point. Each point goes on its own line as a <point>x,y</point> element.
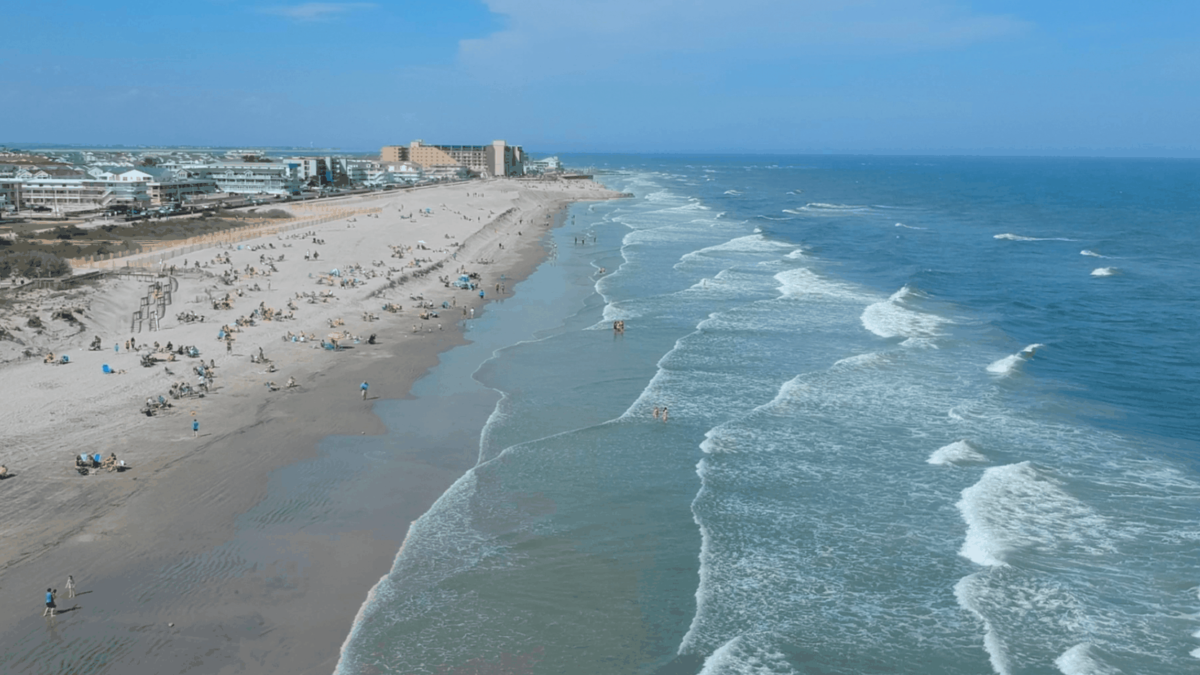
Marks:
<point>1065,77</point>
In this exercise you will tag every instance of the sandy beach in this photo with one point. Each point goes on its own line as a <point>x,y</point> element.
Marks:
<point>154,549</point>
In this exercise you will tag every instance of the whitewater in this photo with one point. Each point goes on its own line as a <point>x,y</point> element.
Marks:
<point>924,448</point>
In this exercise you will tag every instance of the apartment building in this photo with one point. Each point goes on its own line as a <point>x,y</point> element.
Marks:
<point>10,194</point>
<point>497,159</point>
<point>248,178</point>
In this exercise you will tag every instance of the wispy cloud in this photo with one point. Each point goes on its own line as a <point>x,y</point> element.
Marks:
<point>316,11</point>
<point>641,31</point>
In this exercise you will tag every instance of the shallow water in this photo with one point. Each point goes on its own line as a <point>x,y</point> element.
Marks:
<point>913,429</point>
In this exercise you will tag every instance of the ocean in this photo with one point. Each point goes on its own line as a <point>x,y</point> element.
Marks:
<point>925,415</point>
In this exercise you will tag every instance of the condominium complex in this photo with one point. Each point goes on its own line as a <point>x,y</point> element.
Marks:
<point>249,178</point>
<point>102,187</point>
<point>10,193</point>
<point>497,159</point>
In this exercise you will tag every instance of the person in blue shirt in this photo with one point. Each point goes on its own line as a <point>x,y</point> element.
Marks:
<point>195,428</point>
<point>364,386</point>
<point>51,608</point>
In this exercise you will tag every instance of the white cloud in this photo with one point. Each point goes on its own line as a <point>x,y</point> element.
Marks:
<point>545,37</point>
<point>316,11</point>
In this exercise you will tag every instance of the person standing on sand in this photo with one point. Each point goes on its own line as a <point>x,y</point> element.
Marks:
<point>70,586</point>
<point>364,386</point>
<point>51,608</point>
<point>195,428</point>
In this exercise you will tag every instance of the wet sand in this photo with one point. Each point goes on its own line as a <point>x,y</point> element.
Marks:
<point>258,540</point>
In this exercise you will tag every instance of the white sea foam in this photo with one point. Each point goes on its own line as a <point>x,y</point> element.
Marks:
<point>860,360</point>
<point>819,208</point>
<point>804,283</point>
<point>835,207</point>
<point>737,657</point>
<point>1017,508</point>
<point>911,227</point>
<point>1012,363</point>
<point>1091,253</point>
<point>958,452</point>
<point>798,254</point>
<point>1079,660</point>
<point>919,343</point>
<point>1017,237</point>
<point>992,644</point>
<point>1105,271</point>
<point>894,317</point>
<point>733,192</point>
<point>751,243</point>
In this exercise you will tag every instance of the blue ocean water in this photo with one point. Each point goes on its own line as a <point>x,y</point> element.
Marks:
<point>926,415</point>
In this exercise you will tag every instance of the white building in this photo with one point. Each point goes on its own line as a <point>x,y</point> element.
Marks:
<point>10,194</point>
<point>395,173</point>
<point>249,178</point>
<point>80,194</point>
<point>544,165</point>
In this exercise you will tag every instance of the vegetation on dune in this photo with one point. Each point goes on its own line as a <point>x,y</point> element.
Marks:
<point>72,241</point>
<point>33,264</point>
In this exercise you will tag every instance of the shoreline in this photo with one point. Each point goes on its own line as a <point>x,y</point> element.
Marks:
<point>185,506</point>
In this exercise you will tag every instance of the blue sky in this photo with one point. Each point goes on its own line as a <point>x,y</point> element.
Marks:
<point>856,76</point>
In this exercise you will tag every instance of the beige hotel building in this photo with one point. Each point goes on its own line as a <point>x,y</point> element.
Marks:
<point>497,159</point>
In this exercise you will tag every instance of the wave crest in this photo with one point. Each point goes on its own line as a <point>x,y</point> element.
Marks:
<point>1011,363</point>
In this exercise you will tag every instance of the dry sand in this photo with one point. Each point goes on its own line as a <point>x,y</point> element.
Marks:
<point>122,534</point>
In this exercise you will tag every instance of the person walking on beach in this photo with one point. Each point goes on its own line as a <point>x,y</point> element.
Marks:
<point>51,608</point>
<point>364,386</point>
<point>195,428</point>
<point>70,586</point>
